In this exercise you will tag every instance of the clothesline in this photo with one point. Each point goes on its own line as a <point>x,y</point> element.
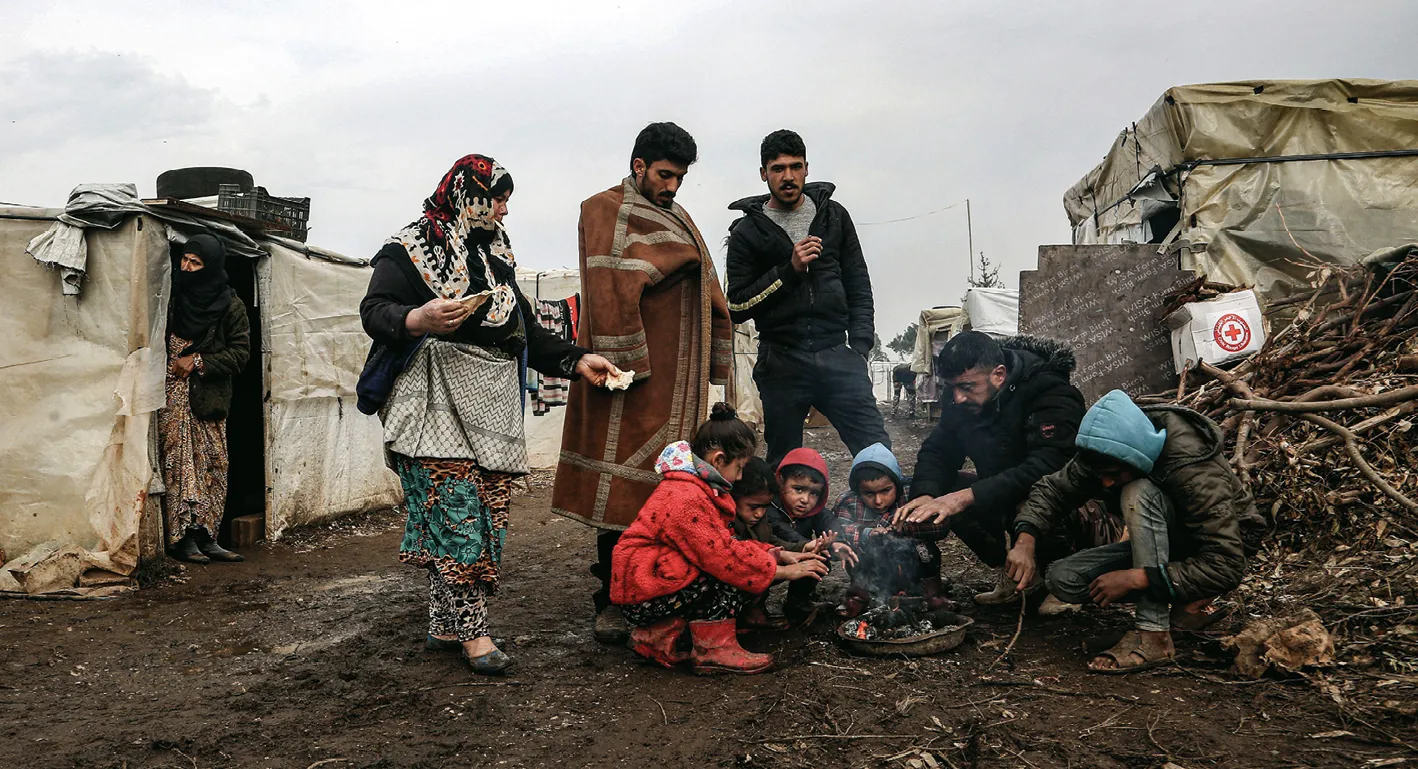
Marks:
<point>909,218</point>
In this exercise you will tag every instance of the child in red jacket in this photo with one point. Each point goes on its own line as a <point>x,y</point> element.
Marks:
<point>678,566</point>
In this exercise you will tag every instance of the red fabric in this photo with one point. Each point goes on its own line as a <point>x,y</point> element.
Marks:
<point>806,458</point>
<point>682,532</point>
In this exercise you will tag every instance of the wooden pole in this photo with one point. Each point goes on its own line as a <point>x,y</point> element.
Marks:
<point>970,233</point>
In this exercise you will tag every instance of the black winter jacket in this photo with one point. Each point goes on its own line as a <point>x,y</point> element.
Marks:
<point>225,348</point>
<point>1026,433</point>
<point>828,305</point>
<point>1215,520</point>
<point>395,290</point>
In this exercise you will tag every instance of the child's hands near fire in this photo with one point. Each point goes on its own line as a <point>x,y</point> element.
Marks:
<point>793,566</point>
<point>845,552</point>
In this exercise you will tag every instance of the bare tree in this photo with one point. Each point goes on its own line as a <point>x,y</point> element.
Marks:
<point>988,275</point>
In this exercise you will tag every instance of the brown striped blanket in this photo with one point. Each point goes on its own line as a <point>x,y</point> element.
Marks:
<point>651,302</point>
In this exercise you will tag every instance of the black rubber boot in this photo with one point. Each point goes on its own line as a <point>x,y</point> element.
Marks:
<point>186,550</point>
<point>212,550</point>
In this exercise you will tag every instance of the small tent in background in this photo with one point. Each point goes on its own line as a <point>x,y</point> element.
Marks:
<point>82,366</point>
<point>993,311</point>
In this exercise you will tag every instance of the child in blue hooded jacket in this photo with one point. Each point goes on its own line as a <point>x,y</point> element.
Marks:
<point>887,561</point>
<point>1188,515</point>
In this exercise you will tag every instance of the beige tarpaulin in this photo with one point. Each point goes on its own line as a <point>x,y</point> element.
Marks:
<point>943,321</point>
<point>324,458</point>
<point>1199,159</point>
<point>81,383</point>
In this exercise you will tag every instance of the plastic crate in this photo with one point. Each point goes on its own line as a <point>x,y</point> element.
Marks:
<point>290,214</point>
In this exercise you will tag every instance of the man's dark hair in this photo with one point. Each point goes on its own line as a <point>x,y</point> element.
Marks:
<point>781,142</point>
<point>793,472</point>
<point>967,350</point>
<point>757,478</point>
<point>664,141</point>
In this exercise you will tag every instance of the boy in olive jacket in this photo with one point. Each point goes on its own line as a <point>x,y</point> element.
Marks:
<point>1185,510</point>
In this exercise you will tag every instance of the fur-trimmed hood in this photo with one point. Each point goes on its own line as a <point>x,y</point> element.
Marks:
<point>1054,355</point>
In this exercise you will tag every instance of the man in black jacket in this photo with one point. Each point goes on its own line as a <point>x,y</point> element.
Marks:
<point>796,270</point>
<point>1014,414</point>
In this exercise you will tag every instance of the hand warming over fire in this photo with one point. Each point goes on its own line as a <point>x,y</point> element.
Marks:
<point>934,510</point>
<point>845,552</point>
<point>793,566</point>
<point>788,557</point>
<point>1115,585</point>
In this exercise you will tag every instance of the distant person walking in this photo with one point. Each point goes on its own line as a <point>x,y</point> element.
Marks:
<point>208,343</point>
<point>903,378</point>
<point>796,269</point>
<point>444,295</point>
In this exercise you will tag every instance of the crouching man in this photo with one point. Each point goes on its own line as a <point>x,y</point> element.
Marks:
<point>1184,510</point>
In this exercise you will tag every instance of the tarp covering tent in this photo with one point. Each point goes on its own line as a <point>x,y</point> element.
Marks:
<point>993,311</point>
<point>935,326</point>
<point>1251,181</point>
<point>83,376</point>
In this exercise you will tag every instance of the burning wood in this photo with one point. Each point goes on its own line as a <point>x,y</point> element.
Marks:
<point>901,617</point>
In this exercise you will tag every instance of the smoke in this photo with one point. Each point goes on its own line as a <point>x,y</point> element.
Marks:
<point>890,565</point>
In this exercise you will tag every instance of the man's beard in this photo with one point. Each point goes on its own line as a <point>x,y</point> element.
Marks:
<point>645,192</point>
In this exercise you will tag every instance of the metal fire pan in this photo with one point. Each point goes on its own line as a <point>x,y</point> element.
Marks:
<point>942,640</point>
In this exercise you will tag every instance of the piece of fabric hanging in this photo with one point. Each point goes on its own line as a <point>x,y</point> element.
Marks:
<point>558,316</point>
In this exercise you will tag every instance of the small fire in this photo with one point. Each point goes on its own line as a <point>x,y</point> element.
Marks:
<point>862,630</point>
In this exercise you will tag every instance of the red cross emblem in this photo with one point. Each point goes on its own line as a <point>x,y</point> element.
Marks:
<point>1232,333</point>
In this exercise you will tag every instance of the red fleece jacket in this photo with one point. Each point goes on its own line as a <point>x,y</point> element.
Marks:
<point>684,531</point>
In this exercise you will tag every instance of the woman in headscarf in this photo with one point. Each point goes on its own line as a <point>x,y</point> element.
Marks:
<point>445,288</point>
<point>208,342</point>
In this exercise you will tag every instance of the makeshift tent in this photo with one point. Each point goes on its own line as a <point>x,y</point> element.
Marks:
<point>83,377</point>
<point>936,325</point>
<point>1252,182</point>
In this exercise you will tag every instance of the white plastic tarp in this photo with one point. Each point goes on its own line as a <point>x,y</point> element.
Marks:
<point>325,459</point>
<point>993,311</point>
<point>81,382</point>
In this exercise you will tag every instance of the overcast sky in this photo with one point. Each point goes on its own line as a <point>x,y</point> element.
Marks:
<point>907,107</point>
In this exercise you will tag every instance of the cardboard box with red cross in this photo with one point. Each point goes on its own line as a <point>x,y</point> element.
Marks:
<point>1216,331</point>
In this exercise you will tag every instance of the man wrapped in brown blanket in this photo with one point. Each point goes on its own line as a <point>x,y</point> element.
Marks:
<point>652,304</point>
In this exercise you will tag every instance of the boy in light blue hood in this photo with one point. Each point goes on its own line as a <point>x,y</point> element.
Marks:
<point>862,520</point>
<point>1184,508</point>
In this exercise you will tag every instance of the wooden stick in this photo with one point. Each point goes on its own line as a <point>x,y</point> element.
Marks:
<point>1351,445</point>
<point>1302,407</point>
<point>1019,626</point>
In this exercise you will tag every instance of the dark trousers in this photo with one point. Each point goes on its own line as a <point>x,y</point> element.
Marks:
<point>601,569</point>
<point>792,381</point>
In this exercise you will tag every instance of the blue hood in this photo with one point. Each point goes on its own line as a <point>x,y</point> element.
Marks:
<point>1117,428</point>
<point>876,455</point>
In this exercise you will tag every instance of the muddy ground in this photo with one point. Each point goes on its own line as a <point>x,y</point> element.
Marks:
<point>310,654</point>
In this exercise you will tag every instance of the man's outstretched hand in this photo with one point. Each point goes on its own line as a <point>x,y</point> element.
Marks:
<point>934,510</point>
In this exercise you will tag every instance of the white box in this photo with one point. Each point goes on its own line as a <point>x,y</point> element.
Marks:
<point>1218,330</point>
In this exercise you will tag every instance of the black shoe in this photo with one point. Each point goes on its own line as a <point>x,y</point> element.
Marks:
<point>186,550</point>
<point>442,645</point>
<point>215,552</point>
<point>611,627</point>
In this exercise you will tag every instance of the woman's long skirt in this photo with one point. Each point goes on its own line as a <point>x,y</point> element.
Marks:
<point>194,461</point>
<point>456,528</point>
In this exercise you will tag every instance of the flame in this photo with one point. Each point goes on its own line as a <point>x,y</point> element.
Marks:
<point>862,630</point>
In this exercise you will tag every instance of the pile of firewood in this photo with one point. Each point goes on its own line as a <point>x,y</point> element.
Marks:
<point>1318,421</point>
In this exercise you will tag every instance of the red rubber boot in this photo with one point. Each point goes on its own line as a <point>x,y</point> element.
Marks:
<point>658,642</point>
<point>717,650</point>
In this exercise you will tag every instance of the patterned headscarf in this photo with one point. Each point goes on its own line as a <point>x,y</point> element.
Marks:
<point>452,245</point>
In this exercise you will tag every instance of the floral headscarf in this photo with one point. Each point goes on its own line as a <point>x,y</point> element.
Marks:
<point>452,245</point>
